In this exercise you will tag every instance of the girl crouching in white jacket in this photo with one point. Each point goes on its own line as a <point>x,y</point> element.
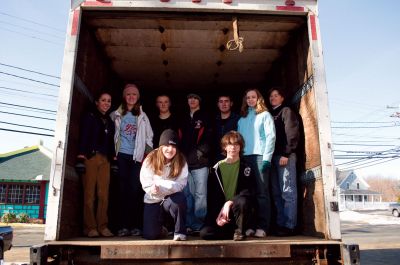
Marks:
<point>163,177</point>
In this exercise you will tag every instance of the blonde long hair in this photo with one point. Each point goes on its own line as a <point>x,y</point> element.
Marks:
<point>260,106</point>
<point>157,161</point>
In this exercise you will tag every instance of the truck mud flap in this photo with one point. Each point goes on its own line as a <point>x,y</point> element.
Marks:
<point>351,254</point>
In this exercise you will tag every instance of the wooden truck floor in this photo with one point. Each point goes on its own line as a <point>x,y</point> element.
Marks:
<point>136,250</point>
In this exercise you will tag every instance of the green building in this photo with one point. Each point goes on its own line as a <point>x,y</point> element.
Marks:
<point>24,181</point>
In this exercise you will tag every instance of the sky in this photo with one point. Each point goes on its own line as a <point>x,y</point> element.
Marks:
<point>361,53</point>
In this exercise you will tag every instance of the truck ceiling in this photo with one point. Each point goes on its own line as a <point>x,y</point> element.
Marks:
<point>174,50</point>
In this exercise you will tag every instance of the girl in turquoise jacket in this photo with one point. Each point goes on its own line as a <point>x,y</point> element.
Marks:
<point>258,130</point>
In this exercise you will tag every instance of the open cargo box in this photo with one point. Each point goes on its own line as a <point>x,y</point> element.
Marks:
<point>177,51</point>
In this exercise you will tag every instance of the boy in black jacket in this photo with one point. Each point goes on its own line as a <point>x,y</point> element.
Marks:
<point>231,200</point>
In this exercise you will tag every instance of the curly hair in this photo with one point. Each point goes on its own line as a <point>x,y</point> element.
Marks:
<point>260,106</point>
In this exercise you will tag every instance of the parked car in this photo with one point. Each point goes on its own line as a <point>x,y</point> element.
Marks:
<point>6,236</point>
<point>394,209</point>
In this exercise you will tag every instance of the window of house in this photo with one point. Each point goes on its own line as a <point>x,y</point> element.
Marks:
<point>32,194</point>
<point>358,186</point>
<point>15,194</point>
<point>348,185</point>
<point>3,193</point>
<point>19,194</point>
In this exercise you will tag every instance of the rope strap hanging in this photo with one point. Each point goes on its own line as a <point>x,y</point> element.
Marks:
<point>237,42</point>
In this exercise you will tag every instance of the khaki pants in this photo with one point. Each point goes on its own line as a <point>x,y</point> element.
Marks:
<point>96,183</point>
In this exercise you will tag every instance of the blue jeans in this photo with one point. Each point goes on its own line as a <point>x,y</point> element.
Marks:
<point>196,198</point>
<point>262,191</point>
<point>284,191</point>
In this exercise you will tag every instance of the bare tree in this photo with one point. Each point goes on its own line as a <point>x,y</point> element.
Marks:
<point>388,187</point>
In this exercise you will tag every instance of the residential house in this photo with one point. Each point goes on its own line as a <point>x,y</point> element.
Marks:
<point>24,181</point>
<point>355,193</point>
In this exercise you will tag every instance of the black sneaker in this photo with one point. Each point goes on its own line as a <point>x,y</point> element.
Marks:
<point>284,231</point>
<point>238,235</point>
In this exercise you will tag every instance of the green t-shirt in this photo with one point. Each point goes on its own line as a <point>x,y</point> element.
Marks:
<point>229,174</point>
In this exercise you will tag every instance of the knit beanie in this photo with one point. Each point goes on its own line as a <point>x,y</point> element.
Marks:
<point>168,137</point>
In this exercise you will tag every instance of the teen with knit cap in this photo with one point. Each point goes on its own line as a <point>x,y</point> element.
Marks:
<point>133,137</point>
<point>163,177</point>
<point>196,134</point>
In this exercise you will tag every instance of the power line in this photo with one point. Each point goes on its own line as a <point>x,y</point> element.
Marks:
<point>368,157</point>
<point>30,92</point>
<point>27,126</point>
<point>33,22</point>
<point>35,111</point>
<point>31,29</point>
<point>30,36</point>
<point>369,152</point>
<point>34,133</point>
<point>30,71</point>
<point>371,164</point>
<point>352,122</point>
<point>365,144</point>
<point>27,107</point>
<point>26,96</point>
<point>365,127</point>
<point>24,115</point>
<point>33,80</point>
<point>366,136</point>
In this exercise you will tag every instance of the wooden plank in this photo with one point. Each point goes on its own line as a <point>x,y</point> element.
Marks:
<point>183,251</point>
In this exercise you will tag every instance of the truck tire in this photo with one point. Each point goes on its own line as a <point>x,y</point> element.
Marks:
<point>396,213</point>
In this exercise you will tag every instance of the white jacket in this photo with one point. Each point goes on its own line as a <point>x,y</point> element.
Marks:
<point>166,185</point>
<point>144,134</point>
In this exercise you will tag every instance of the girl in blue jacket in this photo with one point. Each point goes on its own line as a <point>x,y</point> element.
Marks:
<point>258,130</point>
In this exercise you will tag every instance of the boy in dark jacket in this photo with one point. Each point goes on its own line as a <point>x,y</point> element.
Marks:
<point>226,120</point>
<point>195,136</point>
<point>231,200</point>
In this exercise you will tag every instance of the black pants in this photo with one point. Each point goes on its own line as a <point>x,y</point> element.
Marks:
<point>130,193</point>
<point>241,216</point>
<point>153,218</point>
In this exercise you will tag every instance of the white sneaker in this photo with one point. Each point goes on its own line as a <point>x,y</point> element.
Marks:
<point>260,233</point>
<point>250,232</point>
<point>179,237</point>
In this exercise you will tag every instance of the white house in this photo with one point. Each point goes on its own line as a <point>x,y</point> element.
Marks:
<point>354,192</point>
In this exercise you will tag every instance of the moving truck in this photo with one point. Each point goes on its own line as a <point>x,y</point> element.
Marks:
<point>206,47</point>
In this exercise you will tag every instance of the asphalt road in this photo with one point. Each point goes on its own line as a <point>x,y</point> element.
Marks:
<point>379,244</point>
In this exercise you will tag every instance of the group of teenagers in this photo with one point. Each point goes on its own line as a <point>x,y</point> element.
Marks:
<point>217,178</point>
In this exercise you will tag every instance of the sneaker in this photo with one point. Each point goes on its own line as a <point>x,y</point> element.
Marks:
<point>238,236</point>
<point>136,232</point>
<point>106,232</point>
<point>189,231</point>
<point>123,232</point>
<point>93,233</point>
<point>260,233</point>
<point>164,232</point>
<point>250,232</point>
<point>284,231</point>
<point>179,237</point>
